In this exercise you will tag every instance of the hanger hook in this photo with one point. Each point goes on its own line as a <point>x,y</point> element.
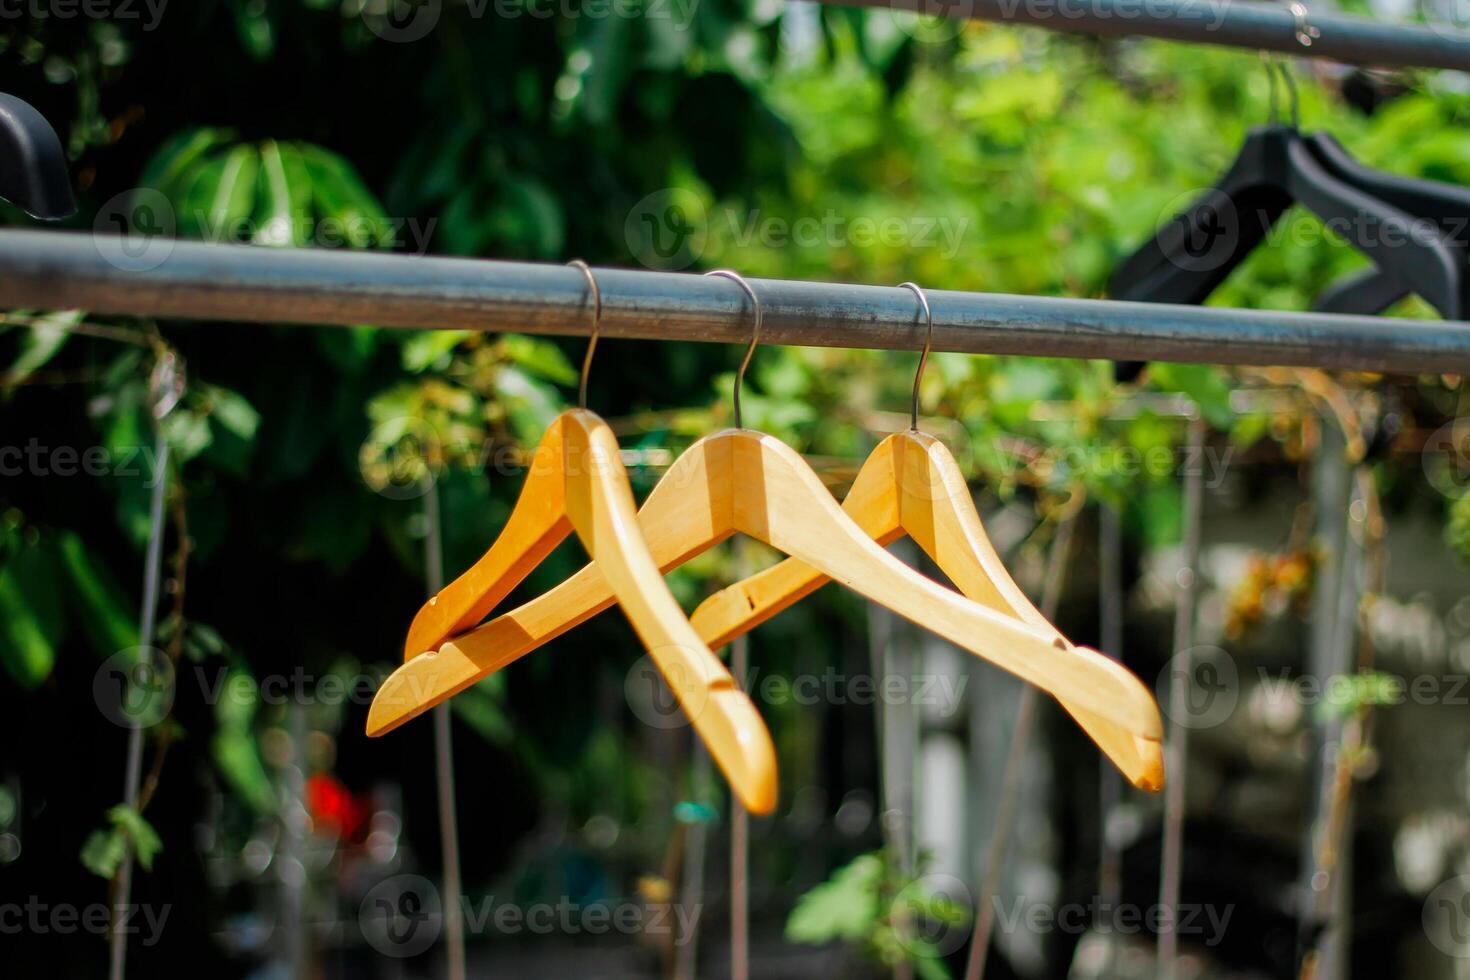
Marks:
<point>1293,96</point>
<point>755,336</point>
<point>1273,112</point>
<point>596,326</point>
<point>923,355</point>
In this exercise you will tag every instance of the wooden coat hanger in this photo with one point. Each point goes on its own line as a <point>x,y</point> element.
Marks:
<point>576,482</point>
<point>911,485</point>
<point>743,481</point>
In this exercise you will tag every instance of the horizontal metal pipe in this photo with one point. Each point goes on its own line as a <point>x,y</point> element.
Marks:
<point>1231,23</point>
<point>105,274</point>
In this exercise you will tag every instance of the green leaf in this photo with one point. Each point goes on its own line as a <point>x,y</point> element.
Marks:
<point>844,907</point>
<point>219,201</point>
<point>31,621</point>
<point>95,600</point>
<point>479,708</point>
<point>233,422</point>
<point>540,357</point>
<point>187,432</point>
<point>340,195</point>
<point>138,831</point>
<point>239,761</point>
<point>42,342</point>
<point>427,348</point>
<point>530,404</point>
<point>1205,385</point>
<point>103,851</point>
<point>285,197</point>
<point>167,169</point>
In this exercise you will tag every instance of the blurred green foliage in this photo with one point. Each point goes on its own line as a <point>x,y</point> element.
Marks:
<point>790,141</point>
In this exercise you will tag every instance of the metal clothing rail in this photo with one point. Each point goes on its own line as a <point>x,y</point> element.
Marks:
<point>1232,23</point>
<point>109,274</point>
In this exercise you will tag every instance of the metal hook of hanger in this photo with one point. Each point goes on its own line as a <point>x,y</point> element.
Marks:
<point>1293,95</point>
<point>1273,113</point>
<point>596,323</point>
<point>755,336</point>
<point>924,355</point>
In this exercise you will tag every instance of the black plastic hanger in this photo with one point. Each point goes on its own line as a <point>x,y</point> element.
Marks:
<point>1189,258</point>
<point>33,173</point>
<point>1447,206</point>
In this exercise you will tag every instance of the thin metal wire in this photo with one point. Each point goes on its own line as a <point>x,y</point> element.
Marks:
<point>755,336</point>
<point>444,759</point>
<point>739,817</point>
<point>1010,792</point>
<point>166,387</point>
<point>1181,672</point>
<point>924,355</point>
<point>596,324</point>
<point>1273,113</point>
<point>1294,98</point>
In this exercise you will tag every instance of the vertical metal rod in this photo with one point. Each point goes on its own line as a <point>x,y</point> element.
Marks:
<point>1010,792</point>
<point>686,951</point>
<point>444,759</point>
<point>739,818</point>
<point>290,859</point>
<point>1336,600</point>
<point>133,768</point>
<point>1110,633</point>
<point>891,653</point>
<point>1176,752</point>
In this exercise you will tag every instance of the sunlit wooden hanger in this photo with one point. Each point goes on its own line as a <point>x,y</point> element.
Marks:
<point>911,485</point>
<point>743,481</point>
<point>576,482</point>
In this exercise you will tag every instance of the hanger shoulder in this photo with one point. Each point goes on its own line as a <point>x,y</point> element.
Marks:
<point>600,503</point>
<point>784,503</point>
<point>1448,205</point>
<point>872,503</point>
<point>426,680</point>
<point>537,524</point>
<point>1386,234</point>
<point>911,484</point>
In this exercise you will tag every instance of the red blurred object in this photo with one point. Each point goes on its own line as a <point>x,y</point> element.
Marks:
<point>333,808</point>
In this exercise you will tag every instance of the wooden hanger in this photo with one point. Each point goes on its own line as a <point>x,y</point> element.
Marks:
<point>743,481</point>
<point>911,485</point>
<point>576,482</point>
